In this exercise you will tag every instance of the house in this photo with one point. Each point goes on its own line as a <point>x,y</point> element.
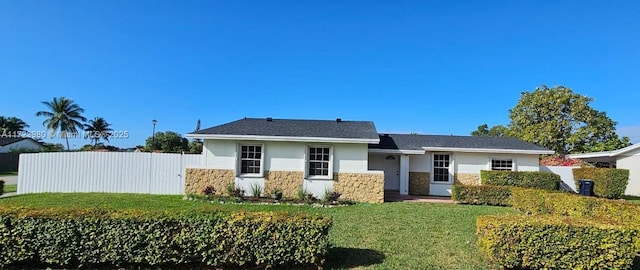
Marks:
<point>8,144</point>
<point>625,158</point>
<point>349,157</point>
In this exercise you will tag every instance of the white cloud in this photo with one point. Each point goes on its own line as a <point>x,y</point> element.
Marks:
<point>633,132</point>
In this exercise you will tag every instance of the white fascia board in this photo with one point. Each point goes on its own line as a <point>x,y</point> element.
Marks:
<point>606,153</point>
<point>281,138</point>
<point>592,155</point>
<point>396,151</point>
<point>626,149</point>
<point>483,150</point>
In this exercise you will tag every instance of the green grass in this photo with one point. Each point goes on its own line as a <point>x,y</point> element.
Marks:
<point>632,199</point>
<point>8,173</point>
<point>364,236</point>
<point>10,188</point>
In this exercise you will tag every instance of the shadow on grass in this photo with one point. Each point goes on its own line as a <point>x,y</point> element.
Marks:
<point>636,263</point>
<point>341,258</point>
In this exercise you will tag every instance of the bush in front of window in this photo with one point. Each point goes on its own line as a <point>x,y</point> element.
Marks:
<point>555,242</point>
<point>101,238</point>
<point>607,182</point>
<point>484,195</point>
<point>539,180</point>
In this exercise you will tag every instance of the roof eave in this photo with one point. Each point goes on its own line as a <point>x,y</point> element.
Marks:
<point>489,150</point>
<point>396,151</point>
<point>281,138</point>
<point>592,155</point>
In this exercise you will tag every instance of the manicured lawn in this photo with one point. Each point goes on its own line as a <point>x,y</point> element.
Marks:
<point>10,188</point>
<point>632,199</point>
<point>8,173</point>
<point>364,236</point>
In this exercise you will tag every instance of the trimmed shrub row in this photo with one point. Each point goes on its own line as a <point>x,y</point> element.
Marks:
<point>540,202</point>
<point>539,180</point>
<point>554,242</point>
<point>486,194</point>
<point>94,237</point>
<point>607,183</point>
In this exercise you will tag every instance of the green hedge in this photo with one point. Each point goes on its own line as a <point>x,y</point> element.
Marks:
<point>539,180</point>
<point>553,242</point>
<point>540,202</point>
<point>607,183</point>
<point>487,195</point>
<point>94,237</point>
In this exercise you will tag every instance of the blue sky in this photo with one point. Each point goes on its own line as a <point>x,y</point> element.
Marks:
<point>437,67</point>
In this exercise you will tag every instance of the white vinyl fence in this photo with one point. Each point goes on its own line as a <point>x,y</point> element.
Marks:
<point>117,172</point>
<point>566,174</point>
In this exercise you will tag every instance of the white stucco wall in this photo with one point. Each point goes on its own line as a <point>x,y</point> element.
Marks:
<point>475,162</point>
<point>286,156</point>
<point>375,162</point>
<point>631,163</point>
<point>420,163</point>
<point>23,144</point>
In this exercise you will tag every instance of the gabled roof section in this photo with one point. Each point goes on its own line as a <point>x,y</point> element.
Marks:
<point>292,130</point>
<point>415,142</point>
<point>10,140</point>
<point>615,153</point>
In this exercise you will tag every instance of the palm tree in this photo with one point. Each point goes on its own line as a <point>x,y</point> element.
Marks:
<point>63,114</point>
<point>11,124</point>
<point>97,129</point>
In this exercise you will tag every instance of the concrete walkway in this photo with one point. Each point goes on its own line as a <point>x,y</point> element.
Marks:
<point>9,179</point>
<point>8,194</point>
<point>396,197</point>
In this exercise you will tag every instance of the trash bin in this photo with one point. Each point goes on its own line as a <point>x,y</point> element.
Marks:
<point>586,187</point>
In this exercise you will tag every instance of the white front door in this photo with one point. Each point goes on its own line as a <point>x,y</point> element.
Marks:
<point>391,167</point>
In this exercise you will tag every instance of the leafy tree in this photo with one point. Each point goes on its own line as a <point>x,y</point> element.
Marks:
<point>195,147</point>
<point>97,129</point>
<point>169,142</point>
<point>12,124</point>
<point>91,147</point>
<point>561,120</point>
<point>494,131</point>
<point>50,147</point>
<point>63,114</point>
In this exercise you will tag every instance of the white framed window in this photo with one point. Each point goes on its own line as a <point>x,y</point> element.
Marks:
<point>441,168</point>
<point>502,164</point>
<point>320,162</point>
<point>251,160</point>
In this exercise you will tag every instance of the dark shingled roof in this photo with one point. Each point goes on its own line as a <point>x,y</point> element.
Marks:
<point>9,140</point>
<point>416,142</point>
<point>296,128</point>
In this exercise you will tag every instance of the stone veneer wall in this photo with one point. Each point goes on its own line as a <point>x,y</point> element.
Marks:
<point>360,187</point>
<point>469,179</point>
<point>197,179</point>
<point>288,182</point>
<point>419,183</point>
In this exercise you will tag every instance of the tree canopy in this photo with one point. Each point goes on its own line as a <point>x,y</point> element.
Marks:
<point>63,114</point>
<point>169,142</point>
<point>98,129</point>
<point>12,124</point>
<point>494,131</point>
<point>561,120</point>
